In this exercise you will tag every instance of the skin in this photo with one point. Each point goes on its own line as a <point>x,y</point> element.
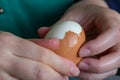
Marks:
<point>22,59</point>
<point>102,48</point>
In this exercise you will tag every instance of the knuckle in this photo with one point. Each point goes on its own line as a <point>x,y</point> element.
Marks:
<point>117,34</point>
<point>39,73</point>
<point>5,34</point>
<point>113,18</point>
<point>5,58</point>
<point>111,13</point>
<point>5,37</point>
<point>44,56</point>
<point>99,68</point>
<point>43,73</point>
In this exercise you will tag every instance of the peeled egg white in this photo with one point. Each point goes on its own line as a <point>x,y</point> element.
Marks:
<point>59,30</point>
<point>71,37</point>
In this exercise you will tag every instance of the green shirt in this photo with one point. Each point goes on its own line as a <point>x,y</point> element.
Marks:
<point>24,17</point>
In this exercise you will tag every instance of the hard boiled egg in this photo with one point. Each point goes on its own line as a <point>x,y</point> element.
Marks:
<point>71,37</point>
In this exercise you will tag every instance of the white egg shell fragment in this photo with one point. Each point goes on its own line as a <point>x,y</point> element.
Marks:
<point>59,29</point>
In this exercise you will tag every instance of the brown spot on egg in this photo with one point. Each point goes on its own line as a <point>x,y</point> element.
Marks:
<point>70,45</point>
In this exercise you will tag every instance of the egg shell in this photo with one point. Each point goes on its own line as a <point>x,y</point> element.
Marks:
<point>71,36</point>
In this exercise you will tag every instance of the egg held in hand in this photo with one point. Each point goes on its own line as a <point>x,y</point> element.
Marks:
<point>71,37</point>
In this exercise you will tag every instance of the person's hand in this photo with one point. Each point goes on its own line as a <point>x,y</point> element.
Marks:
<point>101,51</point>
<point>21,59</point>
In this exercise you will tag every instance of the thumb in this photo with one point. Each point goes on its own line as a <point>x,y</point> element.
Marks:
<point>51,44</point>
<point>42,31</point>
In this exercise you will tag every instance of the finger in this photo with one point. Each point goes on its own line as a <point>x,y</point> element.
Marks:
<point>32,51</point>
<point>51,44</point>
<point>27,49</point>
<point>26,69</point>
<point>104,64</point>
<point>103,42</point>
<point>42,31</point>
<point>93,76</point>
<point>6,76</point>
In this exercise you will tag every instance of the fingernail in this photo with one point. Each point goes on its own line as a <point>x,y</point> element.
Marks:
<point>83,66</point>
<point>56,43</point>
<point>84,52</point>
<point>74,71</point>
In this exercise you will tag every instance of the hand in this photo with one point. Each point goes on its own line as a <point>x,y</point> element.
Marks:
<point>22,59</point>
<point>102,49</point>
